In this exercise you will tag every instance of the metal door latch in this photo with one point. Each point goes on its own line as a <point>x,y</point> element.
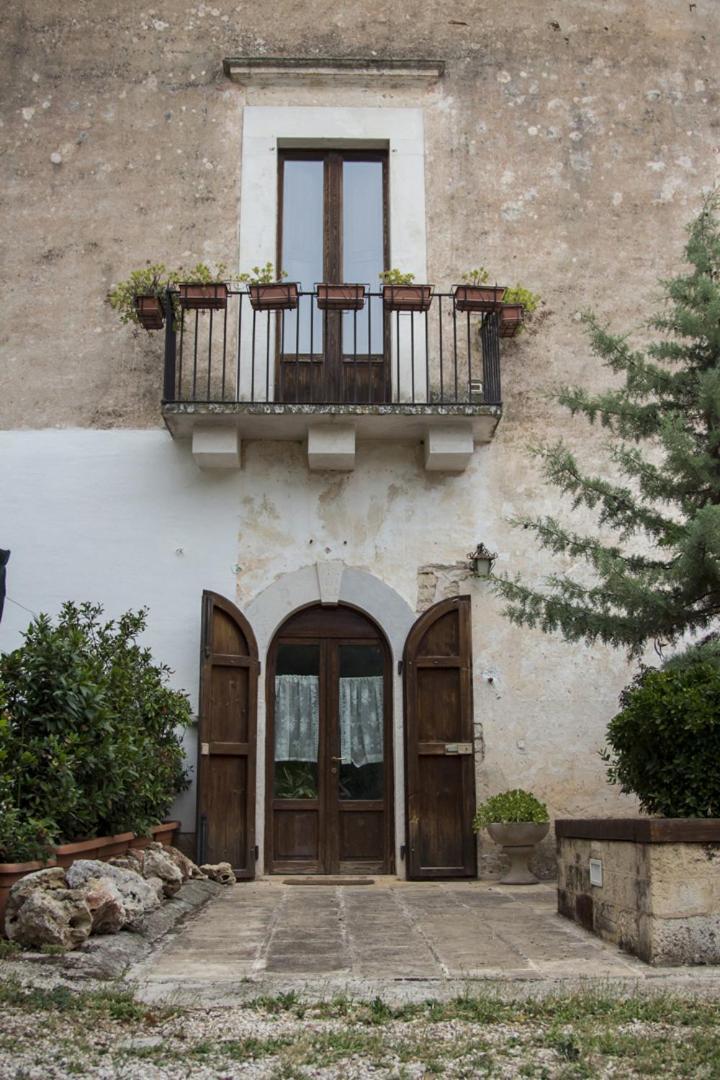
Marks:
<point>458,748</point>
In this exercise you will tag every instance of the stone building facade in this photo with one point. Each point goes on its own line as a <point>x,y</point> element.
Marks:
<point>561,145</point>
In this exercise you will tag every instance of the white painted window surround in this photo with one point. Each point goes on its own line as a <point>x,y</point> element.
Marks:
<point>267,129</point>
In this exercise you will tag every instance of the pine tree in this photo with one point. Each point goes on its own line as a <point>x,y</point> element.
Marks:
<point>660,577</point>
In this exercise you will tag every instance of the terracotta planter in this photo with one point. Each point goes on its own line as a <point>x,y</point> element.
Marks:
<point>9,874</point>
<point>511,318</point>
<point>340,297</point>
<point>203,297</point>
<point>478,297</point>
<point>116,845</point>
<point>82,849</point>
<point>150,312</point>
<point>407,297</point>
<point>518,840</point>
<point>277,296</point>
<point>140,842</point>
<point>165,833</point>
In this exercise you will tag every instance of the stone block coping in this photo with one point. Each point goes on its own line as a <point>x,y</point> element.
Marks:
<point>642,830</point>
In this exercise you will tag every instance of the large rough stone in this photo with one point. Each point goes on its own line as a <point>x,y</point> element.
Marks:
<point>41,910</point>
<point>157,864</point>
<point>138,895</point>
<point>106,905</point>
<point>186,866</point>
<point>221,872</point>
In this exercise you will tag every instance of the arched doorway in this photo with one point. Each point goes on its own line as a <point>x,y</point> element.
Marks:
<point>329,745</point>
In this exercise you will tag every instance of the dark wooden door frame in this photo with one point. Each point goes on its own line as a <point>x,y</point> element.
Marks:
<point>330,806</point>
<point>412,662</point>
<point>209,658</point>
<point>332,359</point>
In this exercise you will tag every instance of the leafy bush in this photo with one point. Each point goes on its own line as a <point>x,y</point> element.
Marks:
<point>396,277</point>
<point>263,275</point>
<point>664,744</point>
<point>518,294</point>
<point>150,281</point>
<point>90,736</point>
<point>510,806</point>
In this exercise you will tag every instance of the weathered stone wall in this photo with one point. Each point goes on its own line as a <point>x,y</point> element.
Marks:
<point>566,146</point>
<point>660,901</point>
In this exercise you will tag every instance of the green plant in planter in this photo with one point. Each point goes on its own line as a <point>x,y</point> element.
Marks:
<point>202,274</point>
<point>664,744</point>
<point>518,294</point>
<point>90,739</point>
<point>263,275</point>
<point>476,277</point>
<point>396,277</point>
<point>509,807</point>
<point>295,780</point>
<point>152,280</point>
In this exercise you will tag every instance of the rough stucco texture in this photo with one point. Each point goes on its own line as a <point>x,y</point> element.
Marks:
<point>658,901</point>
<point>566,146</point>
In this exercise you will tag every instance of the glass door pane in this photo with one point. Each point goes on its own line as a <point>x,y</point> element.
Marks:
<point>361,719</point>
<point>363,252</point>
<point>297,722</point>
<point>302,250</point>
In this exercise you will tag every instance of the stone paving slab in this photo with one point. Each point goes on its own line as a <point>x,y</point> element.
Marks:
<point>395,937</point>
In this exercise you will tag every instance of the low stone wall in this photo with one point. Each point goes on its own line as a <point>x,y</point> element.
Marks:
<point>660,892</point>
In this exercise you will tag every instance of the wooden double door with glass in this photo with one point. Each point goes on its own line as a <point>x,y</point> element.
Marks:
<point>329,746</point>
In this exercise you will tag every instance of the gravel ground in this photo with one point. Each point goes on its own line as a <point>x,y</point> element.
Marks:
<point>53,1026</point>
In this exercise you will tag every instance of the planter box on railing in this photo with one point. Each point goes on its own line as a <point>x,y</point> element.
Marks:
<point>150,312</point>
<point>407,297</point>
<point>650,885</point>
<point>203,297</point>
<point>511,319</point>
<point>340,297</point>
<point>277,296</point>
<point>102,847</point>
<point>478,297</point>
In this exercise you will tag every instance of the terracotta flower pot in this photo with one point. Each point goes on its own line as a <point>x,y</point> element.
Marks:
<point>203,297</point>
<point>165,833</point>
<point>340,297</point>
<point>150,312</point>
<point>66,854</point>
<point>511,318</point>
<point>518,840</point>
<point>478,297</point>
<point>407,297</point>
<point>9,874</point>
<point>277,296</point>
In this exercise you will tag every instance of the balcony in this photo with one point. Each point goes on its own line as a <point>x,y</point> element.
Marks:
<point>331,377</point>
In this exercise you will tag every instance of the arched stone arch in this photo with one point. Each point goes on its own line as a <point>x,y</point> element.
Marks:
<point>333,582</point>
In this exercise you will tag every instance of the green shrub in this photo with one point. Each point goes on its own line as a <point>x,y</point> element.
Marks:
<point>90,737</point>
<point>664,744</point>
<point>510,806</point>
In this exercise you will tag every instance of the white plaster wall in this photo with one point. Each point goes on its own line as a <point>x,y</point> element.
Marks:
<point>125,518</point>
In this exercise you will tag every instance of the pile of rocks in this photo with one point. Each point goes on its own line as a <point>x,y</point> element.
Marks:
<point>63,907</point>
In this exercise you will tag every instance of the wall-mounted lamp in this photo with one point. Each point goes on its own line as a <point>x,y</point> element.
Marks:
<point>481,561</point>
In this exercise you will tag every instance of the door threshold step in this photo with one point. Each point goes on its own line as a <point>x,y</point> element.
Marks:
<point>300,880</point>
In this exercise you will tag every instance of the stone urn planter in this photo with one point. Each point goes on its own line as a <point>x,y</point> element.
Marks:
<point>518,840</point>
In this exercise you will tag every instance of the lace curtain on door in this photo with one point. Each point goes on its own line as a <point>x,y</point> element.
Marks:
<point>361,718</point>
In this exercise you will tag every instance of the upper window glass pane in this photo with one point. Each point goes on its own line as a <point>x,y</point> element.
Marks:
<point>363,251</point>
<point>302,249</point>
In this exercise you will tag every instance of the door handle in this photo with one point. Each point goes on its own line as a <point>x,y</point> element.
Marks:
<point>336,759</point>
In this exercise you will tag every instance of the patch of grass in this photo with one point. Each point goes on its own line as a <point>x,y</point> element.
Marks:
<point>53,950</point>
<point>112,1004</point>
<point>9,950</point>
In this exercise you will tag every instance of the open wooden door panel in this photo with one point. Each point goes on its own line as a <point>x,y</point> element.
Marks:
<point>439,743</point>
<point>227,735</point>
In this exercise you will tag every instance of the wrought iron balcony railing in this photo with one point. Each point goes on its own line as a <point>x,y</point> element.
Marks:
<point>307,356</point>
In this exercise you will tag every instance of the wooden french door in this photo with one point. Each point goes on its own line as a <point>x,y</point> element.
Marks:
<point>333,228</point>
<point>439,743</point>
<point>227,735</point>
<point>329,749</point>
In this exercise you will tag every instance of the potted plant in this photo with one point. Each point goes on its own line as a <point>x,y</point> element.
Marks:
<point>268,292</point>
<point>340,297</point>
<point>518,302</point>
<point>139,298</point>
<point>400,294</point>
<point>476,294</point>
<point>517,821</point>
<point>201,289</point>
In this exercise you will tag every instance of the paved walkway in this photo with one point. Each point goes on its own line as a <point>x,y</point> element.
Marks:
<point>415,939</point>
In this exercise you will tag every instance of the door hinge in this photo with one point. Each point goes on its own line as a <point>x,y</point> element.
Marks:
<point>403,851</point>
<point>400,667</point>
<point>259,666</point>
<point>256,852</point>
